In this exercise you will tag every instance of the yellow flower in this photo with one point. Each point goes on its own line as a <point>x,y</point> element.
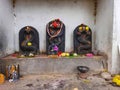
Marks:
<point>116,80</point>
<point>118,83</point>
<point>117,76</point>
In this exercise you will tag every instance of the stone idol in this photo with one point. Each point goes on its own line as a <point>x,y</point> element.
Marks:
<point>55,37</point>
<point>28,41</point>
<point>82,39</point>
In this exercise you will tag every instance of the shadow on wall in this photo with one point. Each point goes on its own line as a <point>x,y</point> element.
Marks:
<point>3,42</point>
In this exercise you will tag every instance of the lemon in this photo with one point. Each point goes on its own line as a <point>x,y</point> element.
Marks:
<point>29,43</point>
<point>63,54</point>
<point>87,28</point>
<point>80,28</point>
<point>67,54</point>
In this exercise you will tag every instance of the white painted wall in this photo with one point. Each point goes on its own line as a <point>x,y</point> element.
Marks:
<point>104,28</point>
<point>116,39</point>
<point>38,13</point>
<point>6,28</point>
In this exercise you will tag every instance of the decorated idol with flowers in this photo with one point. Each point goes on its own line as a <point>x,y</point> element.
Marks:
<point>55,37</point>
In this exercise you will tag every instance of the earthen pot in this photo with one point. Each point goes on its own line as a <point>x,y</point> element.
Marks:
<point>83,69</point>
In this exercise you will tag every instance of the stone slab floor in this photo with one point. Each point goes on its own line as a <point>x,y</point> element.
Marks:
<point>58,82</point>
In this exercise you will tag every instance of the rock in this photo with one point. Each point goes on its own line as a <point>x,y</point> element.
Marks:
<point>106,75</point>
<point>47,86</point>
<point>29,85</point>
<point>96,80</point>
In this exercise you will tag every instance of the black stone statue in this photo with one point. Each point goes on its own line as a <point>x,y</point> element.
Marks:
<point>82,39</point>
<point>55,37</point>
<point>29,41</point>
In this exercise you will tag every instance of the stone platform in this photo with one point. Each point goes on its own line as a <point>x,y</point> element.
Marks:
<point>46,65</point>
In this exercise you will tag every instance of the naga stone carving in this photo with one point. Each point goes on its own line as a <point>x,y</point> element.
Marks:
<point>55,37</point>
<point>29,41</point>
<point>82,39</point>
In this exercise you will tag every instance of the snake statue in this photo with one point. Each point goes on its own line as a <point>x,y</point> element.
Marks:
<point>82,39</point>
<point>55,37</point>
<point>28,41</point>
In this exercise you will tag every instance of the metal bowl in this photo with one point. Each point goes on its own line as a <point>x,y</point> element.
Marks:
<point>83,69</point>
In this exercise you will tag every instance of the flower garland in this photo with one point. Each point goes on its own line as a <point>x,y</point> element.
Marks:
<point>58,32</point>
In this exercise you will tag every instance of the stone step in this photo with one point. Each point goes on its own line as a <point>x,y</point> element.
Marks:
<point>45,65</point>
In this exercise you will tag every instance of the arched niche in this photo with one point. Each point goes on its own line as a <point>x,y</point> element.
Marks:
<point>82,39</point>
<point>28,41</point>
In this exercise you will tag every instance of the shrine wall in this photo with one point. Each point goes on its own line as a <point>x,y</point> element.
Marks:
<point>104,28</point>
<point>116,39</point>
<point>6,28</point>
<point>38,13</point>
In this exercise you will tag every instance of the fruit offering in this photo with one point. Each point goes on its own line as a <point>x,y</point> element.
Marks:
<point>65,54</point>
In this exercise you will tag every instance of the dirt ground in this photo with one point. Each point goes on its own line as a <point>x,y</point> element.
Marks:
<point>58,82</point>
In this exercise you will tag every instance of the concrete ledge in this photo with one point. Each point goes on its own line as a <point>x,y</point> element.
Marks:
<point>45,65</point>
